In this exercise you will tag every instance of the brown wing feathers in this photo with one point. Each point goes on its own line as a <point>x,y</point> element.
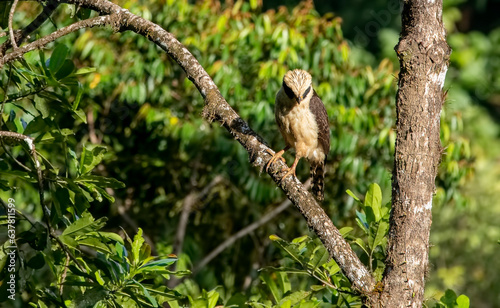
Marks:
<point>318,168</point>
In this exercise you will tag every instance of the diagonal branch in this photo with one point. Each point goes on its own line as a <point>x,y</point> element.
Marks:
<point>217,108</point>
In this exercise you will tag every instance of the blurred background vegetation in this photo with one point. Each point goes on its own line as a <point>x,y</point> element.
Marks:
<point>140,106</point>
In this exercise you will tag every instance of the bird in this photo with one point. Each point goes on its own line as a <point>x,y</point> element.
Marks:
<point>303,122</point>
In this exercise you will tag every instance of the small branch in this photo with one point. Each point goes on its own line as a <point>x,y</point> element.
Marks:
<point>63,276</point>
<point>11,30</point>
<point>243,232</point>
<point>187,206</point>
<point>21,35</point>
<point>87,23</point>
<point>11,156</point>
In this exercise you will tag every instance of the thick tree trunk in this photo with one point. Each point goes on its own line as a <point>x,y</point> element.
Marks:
<point>423,55</point>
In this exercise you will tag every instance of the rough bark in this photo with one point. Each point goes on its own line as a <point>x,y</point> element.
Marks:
<point>216,108</point>
<point>423,55</point>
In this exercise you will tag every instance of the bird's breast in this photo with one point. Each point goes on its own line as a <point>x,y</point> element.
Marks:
<point>300,130</point>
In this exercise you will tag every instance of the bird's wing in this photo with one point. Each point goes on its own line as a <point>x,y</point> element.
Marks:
<point>318,110</point>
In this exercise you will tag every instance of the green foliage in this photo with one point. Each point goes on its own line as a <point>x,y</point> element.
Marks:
<point>306,257</point>
<point>373,220</point>
<point>451,300</point>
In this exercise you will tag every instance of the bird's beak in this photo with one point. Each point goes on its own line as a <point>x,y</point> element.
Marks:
<point>299,99</point>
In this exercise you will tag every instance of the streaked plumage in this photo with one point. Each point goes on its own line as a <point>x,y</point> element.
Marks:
<point>303,123</point>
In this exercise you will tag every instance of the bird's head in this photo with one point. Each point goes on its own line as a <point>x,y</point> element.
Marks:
<point>297,85</point>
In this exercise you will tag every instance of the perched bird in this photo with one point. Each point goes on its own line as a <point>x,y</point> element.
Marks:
<point>303,123</point>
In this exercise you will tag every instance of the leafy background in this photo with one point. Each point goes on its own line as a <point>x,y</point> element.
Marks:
<point>120,127</point>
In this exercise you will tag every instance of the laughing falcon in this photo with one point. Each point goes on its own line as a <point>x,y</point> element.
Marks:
<point>303,123</point>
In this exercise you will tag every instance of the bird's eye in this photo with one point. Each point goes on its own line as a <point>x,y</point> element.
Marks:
<point>288,91</point>
<point>307,91</point>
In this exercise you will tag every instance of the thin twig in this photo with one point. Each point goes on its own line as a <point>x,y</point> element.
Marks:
<point>64,273</point>
<point>11,156</point>
<point>187,206</point>
<point>11,30</point>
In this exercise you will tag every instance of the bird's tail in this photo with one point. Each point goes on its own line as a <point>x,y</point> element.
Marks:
<point>318,180</point>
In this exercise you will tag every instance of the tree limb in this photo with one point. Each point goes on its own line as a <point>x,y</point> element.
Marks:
<point>87,23</point>
<point>20,36</point>
<point>217,108</point>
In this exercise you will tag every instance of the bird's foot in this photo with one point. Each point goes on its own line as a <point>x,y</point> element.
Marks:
<point>291,170</point>
<point>275,157</point>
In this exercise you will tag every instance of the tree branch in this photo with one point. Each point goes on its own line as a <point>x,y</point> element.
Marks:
<point>11,29</point>
<point>187,207</point>
<point>216,108</point>
<point>20,36</point>
<point>87,23</point>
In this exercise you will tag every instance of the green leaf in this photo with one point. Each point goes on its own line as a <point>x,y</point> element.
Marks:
<point>36,262</point>
<point>83,13</point>
<point>85,70</point>
<point>65,70</point>
<point>295,297</point>
<point>151,299</point>
<point>78,97</point>
<point>449,298</point>
<point>4,13</point>
<point>287,247</point>
<point>283,282</point>
<point>101,181</point>
<point>80,114</point>
<point>37,125</point>
<point>361,221</point>
<point>320,257</point>
<point>317,288</point>
<point>383,228</point>
<point>99,278</point>
<point>58,57</point>
<point>350,193</point>
<point>159,264</point>
<point>373,203</point>
<point>361,244</point>
<point>84,225</point>
<point>463,301</point>
<point>345,230</point>
<point>110,236</point>
<point>213,296</point>
<point>271,284</point>
<point>136,247</point>
<point>90,158</point>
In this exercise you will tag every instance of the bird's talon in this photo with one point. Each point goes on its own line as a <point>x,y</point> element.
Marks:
<point>275,157</point>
